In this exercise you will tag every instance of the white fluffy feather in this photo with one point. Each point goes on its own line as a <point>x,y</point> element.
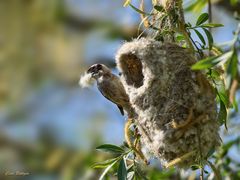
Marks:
<point>86,80</point>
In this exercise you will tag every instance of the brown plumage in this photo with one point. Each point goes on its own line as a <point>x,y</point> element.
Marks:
<point>110,86</point>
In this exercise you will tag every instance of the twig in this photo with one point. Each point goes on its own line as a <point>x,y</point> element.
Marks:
<point>179,159</point>
<point>182,26</point>
<point>210,18</point>
<point>210,13</point>
<point>201,156</point>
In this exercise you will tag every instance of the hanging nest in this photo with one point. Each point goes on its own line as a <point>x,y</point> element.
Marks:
<point>174,107</point>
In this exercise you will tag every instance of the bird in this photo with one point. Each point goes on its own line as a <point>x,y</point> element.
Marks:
<point>112,89</point>
<point>110,86</point>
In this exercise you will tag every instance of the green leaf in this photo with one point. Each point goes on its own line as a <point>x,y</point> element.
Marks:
<point>127,2</point>
<point>200,36</point>
<point>107,169</point>
<point>197,6</point>
<point>211,61</point>
<point>232,65</point>
<point>130,175</point>
<point>110,148</point>
<point>222,115</point>
<point>211,25</point>
<point>210,153</point>
<point>223,96</point>
<point>234,2</point>
<point>138,10</point>
<point>202,19</point>
<point>205,63</point>
<point>209,37</point>
<point>215,170</point>
<point>235,104</point>
<point>195,167</point>
<point>104,164</point>
<point>159,8</point>
<point>122,171</point>
<point>180,38</point>
<point>214,74</point>
<point>205,171</point>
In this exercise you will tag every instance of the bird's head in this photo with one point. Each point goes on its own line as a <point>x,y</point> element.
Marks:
<point>98,70</point>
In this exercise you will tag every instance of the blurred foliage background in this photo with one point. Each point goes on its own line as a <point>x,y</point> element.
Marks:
<point>49,126</point>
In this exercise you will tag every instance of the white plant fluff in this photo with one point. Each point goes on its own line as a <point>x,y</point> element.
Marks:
<point>86,80</point>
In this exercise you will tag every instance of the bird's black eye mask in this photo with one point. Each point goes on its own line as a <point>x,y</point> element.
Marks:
<point>99,67</point>
<point>95,69</point>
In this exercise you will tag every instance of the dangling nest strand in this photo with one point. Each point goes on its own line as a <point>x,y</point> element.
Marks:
<point>175,107</point>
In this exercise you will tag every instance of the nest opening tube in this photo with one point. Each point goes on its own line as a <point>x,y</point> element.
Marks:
<point>131,67</point>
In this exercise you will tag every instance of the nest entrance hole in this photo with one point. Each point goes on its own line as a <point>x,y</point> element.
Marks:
<point>131,67</point>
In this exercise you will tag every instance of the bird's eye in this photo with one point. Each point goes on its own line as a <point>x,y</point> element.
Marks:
<point>99,67</point>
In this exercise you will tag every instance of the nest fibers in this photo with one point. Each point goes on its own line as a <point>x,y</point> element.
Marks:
<point>175,107</point>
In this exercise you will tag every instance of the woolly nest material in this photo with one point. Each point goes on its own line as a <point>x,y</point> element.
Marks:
<point>164,91</point>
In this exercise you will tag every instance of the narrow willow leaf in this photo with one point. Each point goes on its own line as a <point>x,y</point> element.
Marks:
<point>180,38</point>
<point>232,69</point>
<point>130,175</point>
<point>211,61</point>
<point>127,2</point>
<point>215,170</point>
<point>195,167</point>
<point>214,74</point>
<point>138,10</point>
<point>232,65</point>
<point>223,96</point>
<point>104,164</point>
<point>235,104</point>
<point>222,115</point>
<point>200,36</point>
<point>210,38</point>
<point>159,8</point>
<point>122,171</point>
<point>197,6</point>
<point>210,153</point>
<point>211,25</point>
<point>205,63</point>
<point>106,170</point>
<point>202,19</point>
<point>110,148</point>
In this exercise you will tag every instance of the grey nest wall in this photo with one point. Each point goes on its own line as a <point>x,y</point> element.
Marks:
<point>174,107</point>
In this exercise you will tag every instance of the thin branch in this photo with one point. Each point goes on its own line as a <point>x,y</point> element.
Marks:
<point>210,17</point>
<point>201,156</point>
<point>182,25</point>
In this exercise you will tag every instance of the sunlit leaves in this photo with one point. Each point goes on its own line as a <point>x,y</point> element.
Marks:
<point>121,168</point>
<point>231,68</point>
<point>197,6</point>
<point>211,61</point>
<point>138,10</point>
<point>200,36</point>
<point>107,169</point>
<point>222,115</point>
<point>209,37</point>
<point>127,2</point>
<point>122,171</point>
<point>202,19</point>
<point>159,8</point>
<point>105,164</point>
<point>200,24</point>
<point>108,164</point>
<point>110,148</point>
<point>211,25</point>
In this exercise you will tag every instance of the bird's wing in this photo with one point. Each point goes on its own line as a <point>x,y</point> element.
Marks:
<point>119,106</point>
